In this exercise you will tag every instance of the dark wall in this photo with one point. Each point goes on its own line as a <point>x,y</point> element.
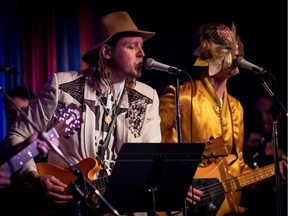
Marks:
<point>262,28</point>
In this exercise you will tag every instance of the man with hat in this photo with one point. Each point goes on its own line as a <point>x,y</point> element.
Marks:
<point>115,107</point>
<point>208,112</point>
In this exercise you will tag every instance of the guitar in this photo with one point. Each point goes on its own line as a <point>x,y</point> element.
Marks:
<point>214,148</point>
<point>221,192</point>
<point>88,167</point>
<point>67,120</point>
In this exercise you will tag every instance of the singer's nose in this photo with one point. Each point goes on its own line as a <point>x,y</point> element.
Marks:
<point>140,52</point>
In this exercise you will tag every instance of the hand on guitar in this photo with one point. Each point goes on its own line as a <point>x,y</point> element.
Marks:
<point>193,195</point>
<point>42,146</point>
<point>283,165</point>
<point>52,188</point>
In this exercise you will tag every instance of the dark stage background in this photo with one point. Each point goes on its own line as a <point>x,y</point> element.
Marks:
<point>262,28</point>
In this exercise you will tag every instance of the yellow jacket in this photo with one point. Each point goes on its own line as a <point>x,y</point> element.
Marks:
<point>206,119</point>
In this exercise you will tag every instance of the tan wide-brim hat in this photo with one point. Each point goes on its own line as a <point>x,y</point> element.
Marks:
<point>109,25</point>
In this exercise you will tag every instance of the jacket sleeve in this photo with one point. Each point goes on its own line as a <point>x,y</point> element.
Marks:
<point>39,113</point>
<point>167,111</point>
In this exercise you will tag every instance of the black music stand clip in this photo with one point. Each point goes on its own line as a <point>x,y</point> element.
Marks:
<point>150,177</point>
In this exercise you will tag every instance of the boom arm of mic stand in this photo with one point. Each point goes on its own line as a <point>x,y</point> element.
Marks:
<point>270,92</point>
<point>54,148</point>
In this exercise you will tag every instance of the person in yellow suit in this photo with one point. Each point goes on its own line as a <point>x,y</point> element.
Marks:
<point>209,111</point>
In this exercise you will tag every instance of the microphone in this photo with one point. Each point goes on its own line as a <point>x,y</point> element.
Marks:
<point>241,62</point>
<point>151,64</point>
<point>7,70</point>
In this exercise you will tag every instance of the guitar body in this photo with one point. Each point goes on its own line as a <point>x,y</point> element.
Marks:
<point>216,200</point>
<point>89,167</point>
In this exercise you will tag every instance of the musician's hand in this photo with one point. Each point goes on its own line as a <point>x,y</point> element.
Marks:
<point>193,195</point>
<point>51,187</point>
<point>283,165</point>
<point>54,189</point>
<point>43,147</point>
<point>269,150</point>
<point>4,179</point>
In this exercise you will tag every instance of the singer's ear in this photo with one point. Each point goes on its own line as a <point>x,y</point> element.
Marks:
<point>106,51</point>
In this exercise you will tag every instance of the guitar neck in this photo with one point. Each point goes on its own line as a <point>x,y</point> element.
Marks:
<point>246,179</point>
<point>101,182</point>
<point>26,154</point>
<point>22,157</point>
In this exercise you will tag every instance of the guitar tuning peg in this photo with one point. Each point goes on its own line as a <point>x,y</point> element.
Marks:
<point>210,139</point>
<point>201,164</point>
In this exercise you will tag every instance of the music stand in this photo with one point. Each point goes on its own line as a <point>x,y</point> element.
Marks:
<point>150,177</point>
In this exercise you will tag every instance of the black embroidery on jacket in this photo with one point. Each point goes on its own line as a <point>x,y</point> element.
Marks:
<point>136,111</point>
<point>75,88</point>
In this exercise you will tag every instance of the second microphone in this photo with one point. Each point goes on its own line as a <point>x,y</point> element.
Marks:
<point>151,64</point>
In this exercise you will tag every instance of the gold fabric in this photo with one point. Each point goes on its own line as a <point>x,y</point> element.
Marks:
<point>206,119</point>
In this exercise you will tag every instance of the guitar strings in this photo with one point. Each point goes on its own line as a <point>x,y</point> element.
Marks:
<point>233,184</point>
<point>216,190</point>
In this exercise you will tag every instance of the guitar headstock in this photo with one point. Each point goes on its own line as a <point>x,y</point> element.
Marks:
<point>214,148</point>
<point>68,119</point>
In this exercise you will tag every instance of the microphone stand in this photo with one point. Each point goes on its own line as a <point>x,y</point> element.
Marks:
<point>178,114</point>
<point>275,141</point>
<point>178,126</point>
<point>176,72</point>
<point>74,168</point>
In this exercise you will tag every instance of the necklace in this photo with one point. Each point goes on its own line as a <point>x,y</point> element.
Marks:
<point>116,88</point>
<point>108,117</point>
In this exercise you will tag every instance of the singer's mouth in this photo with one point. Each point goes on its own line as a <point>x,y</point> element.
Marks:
<point>139,66</point>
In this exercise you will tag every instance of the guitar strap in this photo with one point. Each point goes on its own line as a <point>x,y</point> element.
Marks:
<point>111,126</point>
